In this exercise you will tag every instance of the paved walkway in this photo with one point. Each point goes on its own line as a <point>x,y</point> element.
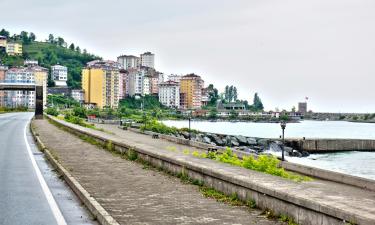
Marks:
<point>134,195</point>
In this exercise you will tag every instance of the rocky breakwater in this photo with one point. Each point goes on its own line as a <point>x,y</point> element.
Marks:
<point>246,144</point>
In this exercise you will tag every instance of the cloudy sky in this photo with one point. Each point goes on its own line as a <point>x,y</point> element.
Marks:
<point>284,50</point>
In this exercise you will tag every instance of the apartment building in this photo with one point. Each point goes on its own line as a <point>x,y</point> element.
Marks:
<point>13,48</point>
<point>78,95</point>
<point>174,77</point>
<point>129,61</point>
<point>148,60</point>
<point>32,75</point>
<point>100,83</point>
<point>3,70</point>
<point>3,42</point>
<point>169,94</point>
<point>191,88</point>
<point>59,75</point>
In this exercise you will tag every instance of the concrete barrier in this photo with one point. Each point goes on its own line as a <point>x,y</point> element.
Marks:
<point>229,180</point>
<point>332,145</point>
<point>298,168</point>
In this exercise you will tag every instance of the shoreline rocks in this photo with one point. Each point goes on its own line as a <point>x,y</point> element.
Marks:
<point>243,143</point>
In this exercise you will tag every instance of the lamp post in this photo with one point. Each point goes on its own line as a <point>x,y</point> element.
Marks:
<point>283,125</point>
<point>189,127</point>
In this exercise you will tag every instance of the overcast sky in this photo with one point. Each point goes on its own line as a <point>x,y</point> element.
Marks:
<point>284,50</point>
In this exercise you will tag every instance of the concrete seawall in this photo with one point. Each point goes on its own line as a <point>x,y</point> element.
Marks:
<point>331,145</point>
<point>306,170</point>
<point>306,202</point>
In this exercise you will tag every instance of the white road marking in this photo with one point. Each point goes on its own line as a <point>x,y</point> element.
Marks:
<point>51,201</point>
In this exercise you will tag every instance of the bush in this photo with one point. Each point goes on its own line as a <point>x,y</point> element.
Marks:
<point>158,127</point>
<point>264,163</point>
<point>52,111</point>
<point>80,112</point>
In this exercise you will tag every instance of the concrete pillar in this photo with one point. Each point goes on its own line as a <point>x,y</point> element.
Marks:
<point>38,102</point>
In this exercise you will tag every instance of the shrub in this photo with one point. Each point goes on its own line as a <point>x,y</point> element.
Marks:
<point>52,111</point>
<point>264,163</point>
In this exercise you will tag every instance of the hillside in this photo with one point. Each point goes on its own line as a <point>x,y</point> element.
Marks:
<point>48,54</point>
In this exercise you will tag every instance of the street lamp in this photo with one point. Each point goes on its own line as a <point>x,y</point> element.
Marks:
<point>283,125</point>
<point>189,127</point>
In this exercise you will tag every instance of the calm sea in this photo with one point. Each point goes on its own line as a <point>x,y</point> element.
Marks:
<point>354,163</point>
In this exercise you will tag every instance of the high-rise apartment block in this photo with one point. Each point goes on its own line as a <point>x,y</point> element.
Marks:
<point>128,61</point>
<point>148,60</point>
<point>59,75</point>
<point>191,90</point>
<point>100,83</point>
<point>169,94</point>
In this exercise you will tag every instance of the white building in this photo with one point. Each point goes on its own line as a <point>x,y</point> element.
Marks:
<point>59,75</point>
<point>146,85</point>
<point>174,77</point>
<point>148,60</point>
<point>169,94</point>
<point>128,61</point>
<point>30,62</point>
<point>78,95</point>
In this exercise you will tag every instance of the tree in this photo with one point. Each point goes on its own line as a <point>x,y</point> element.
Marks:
<point>230,97</point>
<point>25,37</point>
<point>213,113</point>
<point>226,93</point>
<point>32,36</point>
<point>4,33</point>
<point>71,46</point>
<point>78,49</point>
<point>60,41</point>
<point>235,94</point>
<point>257,104</point>
<point>293,109</point>
<point>51,39</point>
<point>213,95</point>
<point>233,114</point>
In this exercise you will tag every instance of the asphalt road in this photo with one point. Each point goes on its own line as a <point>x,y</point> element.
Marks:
<point>30,191</point>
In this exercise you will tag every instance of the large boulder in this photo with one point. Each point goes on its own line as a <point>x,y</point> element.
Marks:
<point>241,140</point>
<point>251,141</point>
<point>185,134</point>
<point>217,140</point>
<point>228,141</point>
<point>263,142</point>
<point>288,149</point>
<point>305,154</point>
<point>206,140</point>
<point>234,141</point>
<point>296,154</point>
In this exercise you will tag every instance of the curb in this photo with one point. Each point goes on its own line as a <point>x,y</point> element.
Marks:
<point>102,216</point>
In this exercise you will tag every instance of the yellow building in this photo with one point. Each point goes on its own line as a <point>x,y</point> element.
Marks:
<point>41,77</point>
<point>100,83</point>
<point>191,89</point>
<point>3,42</point>
<point>14,49</point>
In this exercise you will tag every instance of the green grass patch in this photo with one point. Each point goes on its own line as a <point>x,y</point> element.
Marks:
<point>263,163</point>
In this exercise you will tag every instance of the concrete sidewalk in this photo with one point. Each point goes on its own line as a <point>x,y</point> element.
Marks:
<point>134,195</point>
